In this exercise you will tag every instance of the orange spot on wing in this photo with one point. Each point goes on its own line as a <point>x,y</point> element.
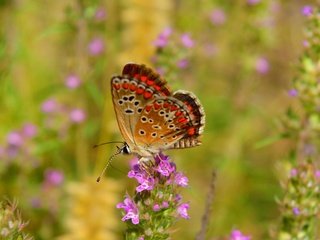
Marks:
<point>136,76</point>
<point>148,108</point>
<point>165,105</point>
<point>156,106</point>
<point>178,113</point>
<point>191,131</point>
<point>143,78</point>
<point>147,95</point>
<point>133,87</point>
<point>116,86</point>
<point>182,120</point>
<point>173,108</point>
<point>125,85</point>
<point>150,82</point>
<point>139,90</point>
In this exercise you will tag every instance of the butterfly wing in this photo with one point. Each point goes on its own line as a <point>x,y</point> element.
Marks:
<point>130,93</point>
<point>170,122</point>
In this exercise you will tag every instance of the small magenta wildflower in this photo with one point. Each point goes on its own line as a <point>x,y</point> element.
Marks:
<point>163,38</point>
<point>237,235</point>
<point>77,115</point>
<point>131,210</point>
<point>307,10</point>
<point>49,106</point>
<point>262,65</point>
<point>293,92</point>
<point>183,210</point>
<point>146,184</point>
<point>156,207</point>
<point>100,14</point>
<point>253,2</point>
<point>14,138</point>
<point>217,17</point>
<point>317,174</point>
<point>54,177</point>
<point>186,40</point>
<point>180,179</point>
<point>293,172</point>
<point>72,81</point>
<point>96,46</point>
<point>29,130</point>
<point>296,211</point>
<point>183,63</point>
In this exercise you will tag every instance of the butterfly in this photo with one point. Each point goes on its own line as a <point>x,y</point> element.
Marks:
<point>150,117</point>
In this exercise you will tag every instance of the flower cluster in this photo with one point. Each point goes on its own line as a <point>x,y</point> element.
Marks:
<point>157,202</point>
<point>300,203</point>
<point>173,52</point>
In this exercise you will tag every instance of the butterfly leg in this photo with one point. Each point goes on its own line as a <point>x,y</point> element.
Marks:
<point>146,165</point>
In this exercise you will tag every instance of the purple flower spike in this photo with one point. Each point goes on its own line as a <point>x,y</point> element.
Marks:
<point>253,2</point>
<point>296,211</point>
<point>293,92</point>
<point>72,81</point>
<point>49,106</point>
<point>183,210</point>
<point>183,63</point>
<point>163,38</point>
<point>156,208</point>
<point>15,139</point>
<point>29,130</point>
<point>217,17</point>
<point>131,210</point>
<point>100,14</point>
<point>96,46</point>
<point>186,40</point>
<point>262,65</point>
<point>237,235</point>
<point>77,115</point>
<point>307,11</point>
<point>54,177</point>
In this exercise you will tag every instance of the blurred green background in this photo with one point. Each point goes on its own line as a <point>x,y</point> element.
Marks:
<point>56,61</point>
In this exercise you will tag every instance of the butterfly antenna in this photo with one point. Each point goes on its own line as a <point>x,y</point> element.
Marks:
<point>104,143</point>
<point>108,163</point>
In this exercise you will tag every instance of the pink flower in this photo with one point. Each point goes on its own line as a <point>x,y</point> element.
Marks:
<point>131,210</point>
<point>14,138</point>
<point>100,14</point>
<point>29,130</point>
<point>163,38</point>
<point>237,235</point>
<point>262,65</point>
<point>183,63</point>
<point>307,11</point>
<point>54,177</point>
<point>96,46</point>
<point>186,40</point>
<point>183,210</point>
<point>181,180</point>
<point>72,81</point>
<point>49,106</point>
<point>253,2</point>
<point>77,115</point>
<point>217,16</point>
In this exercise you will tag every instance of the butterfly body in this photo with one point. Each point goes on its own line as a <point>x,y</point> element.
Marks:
<point>151,118</point>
